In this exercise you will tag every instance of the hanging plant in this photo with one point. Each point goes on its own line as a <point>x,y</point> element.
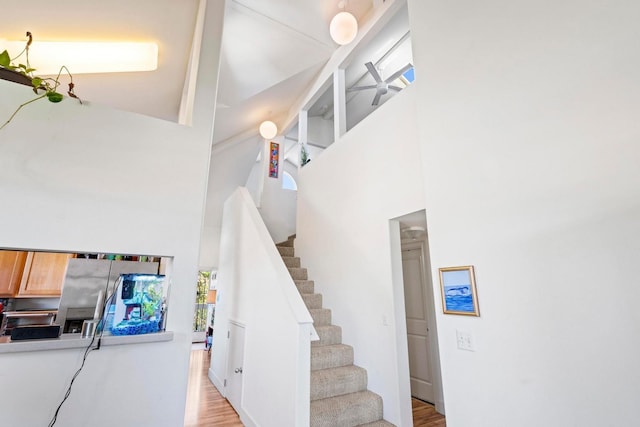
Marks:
<point>23,73</point>
<point>304,156</point>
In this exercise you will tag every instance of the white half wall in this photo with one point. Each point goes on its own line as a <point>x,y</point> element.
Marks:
<point>92,179</point>
<point>346,198</point>
<point>529,132</point>
<point>255,289</point>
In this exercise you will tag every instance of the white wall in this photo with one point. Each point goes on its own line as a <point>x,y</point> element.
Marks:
<point>346,198</point>
<point>292,168</point>
<point>91,179</point>
<point>277,205</point>
<point>229,169</point>
<point>529,136</point>
<point>254,184</point>
<point>320,131</point>
<point>255,289</point>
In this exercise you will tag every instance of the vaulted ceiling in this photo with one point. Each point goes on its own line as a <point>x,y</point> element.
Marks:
<point>272,50</point>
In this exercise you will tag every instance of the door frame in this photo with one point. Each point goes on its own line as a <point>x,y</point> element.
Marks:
<point>400,314</point>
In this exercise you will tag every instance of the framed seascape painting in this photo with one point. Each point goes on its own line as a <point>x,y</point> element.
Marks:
<point>458,288</point>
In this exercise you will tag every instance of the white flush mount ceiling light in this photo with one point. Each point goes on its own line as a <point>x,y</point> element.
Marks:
<point>413,233</point>
<point>343,27</point>
<point>268,129</point>
<point>87,57</point>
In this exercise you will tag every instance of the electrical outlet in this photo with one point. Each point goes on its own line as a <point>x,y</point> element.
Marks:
<point>465,340</point>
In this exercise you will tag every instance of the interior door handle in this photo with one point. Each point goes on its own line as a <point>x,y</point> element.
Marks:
<point>238,370</point>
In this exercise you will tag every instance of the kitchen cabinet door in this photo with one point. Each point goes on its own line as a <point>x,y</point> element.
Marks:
<point>44,274</point>
<point>11,267</point>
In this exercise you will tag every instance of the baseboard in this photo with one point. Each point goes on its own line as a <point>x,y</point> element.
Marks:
<point>440,407</point>
<point>247,420</point>
<point>217,382</point>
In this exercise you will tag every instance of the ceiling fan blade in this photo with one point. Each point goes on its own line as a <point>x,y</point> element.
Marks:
<point>396,88</point>
<point>376,99</point>
<point>399,73</point>
<point>355,88</point>
<point>373,72</point>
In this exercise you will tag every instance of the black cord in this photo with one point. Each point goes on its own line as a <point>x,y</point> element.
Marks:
<point>88,350</point>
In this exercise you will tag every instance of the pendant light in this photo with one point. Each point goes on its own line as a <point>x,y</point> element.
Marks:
<point>268,129</point>
<point>343,27</point>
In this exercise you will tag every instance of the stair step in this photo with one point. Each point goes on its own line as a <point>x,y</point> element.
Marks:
<point>312,300</point>
<point>329,334</point>
<point>331,356</point>
<point>321,316</point>
<point>286,250</point>
<point>381,423</point>
<point>346,411</point>
<point>298,273</point>
<point>337,381</point>
<point>305,286</point>
<point>287,243</point>
<point>291,261</point>
<point>339,395</point>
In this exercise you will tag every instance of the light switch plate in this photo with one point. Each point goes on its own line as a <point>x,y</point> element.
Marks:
<point>465,340</point>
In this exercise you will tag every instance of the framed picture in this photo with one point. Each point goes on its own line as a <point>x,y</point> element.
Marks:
<point>274,150</point>
<point>458,288</point>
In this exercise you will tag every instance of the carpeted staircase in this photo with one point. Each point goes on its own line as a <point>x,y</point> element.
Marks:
<point>339,395</point>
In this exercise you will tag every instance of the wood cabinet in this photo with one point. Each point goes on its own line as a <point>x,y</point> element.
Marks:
<point>11,268</point>
<point>32,274</point>
<point>44,274</point>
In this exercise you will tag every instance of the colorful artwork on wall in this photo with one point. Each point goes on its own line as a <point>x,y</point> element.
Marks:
<point>273,159</point>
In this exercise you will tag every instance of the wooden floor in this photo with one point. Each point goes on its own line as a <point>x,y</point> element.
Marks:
<point>425,415</point>
<point>207,408</point>
<point>205,405</point>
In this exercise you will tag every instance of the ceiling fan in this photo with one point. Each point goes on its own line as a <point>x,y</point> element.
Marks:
<point>381,86</point>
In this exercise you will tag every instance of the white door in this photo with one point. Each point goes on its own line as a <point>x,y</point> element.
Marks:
<point>416,300</point>
<point>233,391</point>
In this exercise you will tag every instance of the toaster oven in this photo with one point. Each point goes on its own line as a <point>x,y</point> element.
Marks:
<point>12,319</point>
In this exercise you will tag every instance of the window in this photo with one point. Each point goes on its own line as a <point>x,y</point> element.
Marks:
<point>200,313</point>
<point>288,183</point>
<point>409,76</point>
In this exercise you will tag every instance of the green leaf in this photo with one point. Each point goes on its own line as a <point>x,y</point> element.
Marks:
<point>5,59</point>
<point>29,70</point>
<point>54,96</point>
<point>36,81</point>
<point>24,67</point>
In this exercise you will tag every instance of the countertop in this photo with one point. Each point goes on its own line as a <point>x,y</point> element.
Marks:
<point>66,341</point>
